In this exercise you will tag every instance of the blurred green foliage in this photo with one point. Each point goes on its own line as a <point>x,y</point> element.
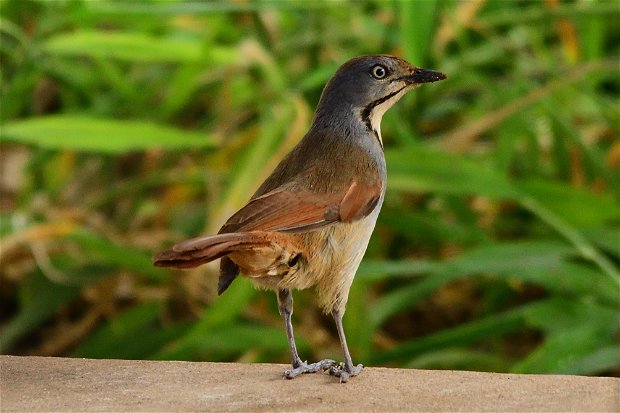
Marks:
<point>128,126</point>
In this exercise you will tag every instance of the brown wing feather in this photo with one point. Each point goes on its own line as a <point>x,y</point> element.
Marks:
<point>288,211</point>
<point>359,201</point>
<point>278,211</point>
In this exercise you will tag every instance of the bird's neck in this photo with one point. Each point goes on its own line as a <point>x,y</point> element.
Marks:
<point>351,143</point>
<point>349,124</point>
<point>337,113</point>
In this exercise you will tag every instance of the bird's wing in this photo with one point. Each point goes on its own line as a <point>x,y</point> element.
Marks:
<point>284,210</point>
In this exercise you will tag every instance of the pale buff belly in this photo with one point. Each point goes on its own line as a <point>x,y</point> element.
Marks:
<point>334,254</point>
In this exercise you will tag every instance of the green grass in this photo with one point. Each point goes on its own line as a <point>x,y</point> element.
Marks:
<point>128,126</point>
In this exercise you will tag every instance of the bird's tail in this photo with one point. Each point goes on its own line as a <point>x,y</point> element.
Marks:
<point>198,251</point>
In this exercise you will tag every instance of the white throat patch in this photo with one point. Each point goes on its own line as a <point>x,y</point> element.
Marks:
<point>376,114</point>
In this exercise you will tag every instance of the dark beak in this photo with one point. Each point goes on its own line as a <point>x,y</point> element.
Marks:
<point>420,75</point>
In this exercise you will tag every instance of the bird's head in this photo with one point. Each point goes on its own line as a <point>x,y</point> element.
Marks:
<point>370,85</point>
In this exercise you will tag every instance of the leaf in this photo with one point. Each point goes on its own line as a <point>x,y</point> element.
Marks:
<point>123,257</point>
<point>82,133</point>
<point>418,22</point>
<point>356,321</point>
<point>559,350</point>
<point>425,170</point>
<point>507,259</point>
<point>468,333</point>
<point>578,207</point>
<point>421,169</point>
<point>222,312</point>
<point>585,248</point>
<point>375,270</point>
<point>124,335</point>
<point>136,47</point>
<point>428,229</point>
<point>42,299</point>
<point>560,316</point>
<point>563,315</point>
<point>597,362</point>
<point>226,342</point>
<point>574,329</point>
<point>607,238</point>
<point>459,358</point>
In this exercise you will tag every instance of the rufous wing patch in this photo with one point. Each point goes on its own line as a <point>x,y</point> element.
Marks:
<point>282,211</point>
<point>359,201</point>
<point>297,211</point>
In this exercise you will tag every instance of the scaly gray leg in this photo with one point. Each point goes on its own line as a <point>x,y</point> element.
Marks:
<point>346,369</point>
<point>285,307</point>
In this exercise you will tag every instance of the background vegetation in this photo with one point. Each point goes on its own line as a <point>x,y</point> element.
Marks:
<point>128,126</point>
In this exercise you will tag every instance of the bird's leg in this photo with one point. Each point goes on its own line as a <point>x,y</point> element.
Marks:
<point>285,307</point>
<point>346,369</point>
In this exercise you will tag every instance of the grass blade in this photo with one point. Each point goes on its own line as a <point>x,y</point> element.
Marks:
<point>88,134</point>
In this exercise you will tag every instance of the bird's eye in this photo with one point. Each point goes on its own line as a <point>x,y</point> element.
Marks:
<point>378,72</point>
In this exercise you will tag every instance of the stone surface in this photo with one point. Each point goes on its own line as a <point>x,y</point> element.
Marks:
<point>61,384</point>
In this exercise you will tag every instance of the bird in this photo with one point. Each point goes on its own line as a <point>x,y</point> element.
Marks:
<point>309,223</point>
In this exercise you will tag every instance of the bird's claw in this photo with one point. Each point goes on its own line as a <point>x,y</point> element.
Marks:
<point>344,372</point>
<point>303,368</point>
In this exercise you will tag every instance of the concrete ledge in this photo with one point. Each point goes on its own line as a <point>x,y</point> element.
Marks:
<point>61,384</point>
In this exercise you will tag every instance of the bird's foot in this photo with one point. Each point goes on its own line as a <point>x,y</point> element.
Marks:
<point>303,368</point>
<point>344,372</point>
